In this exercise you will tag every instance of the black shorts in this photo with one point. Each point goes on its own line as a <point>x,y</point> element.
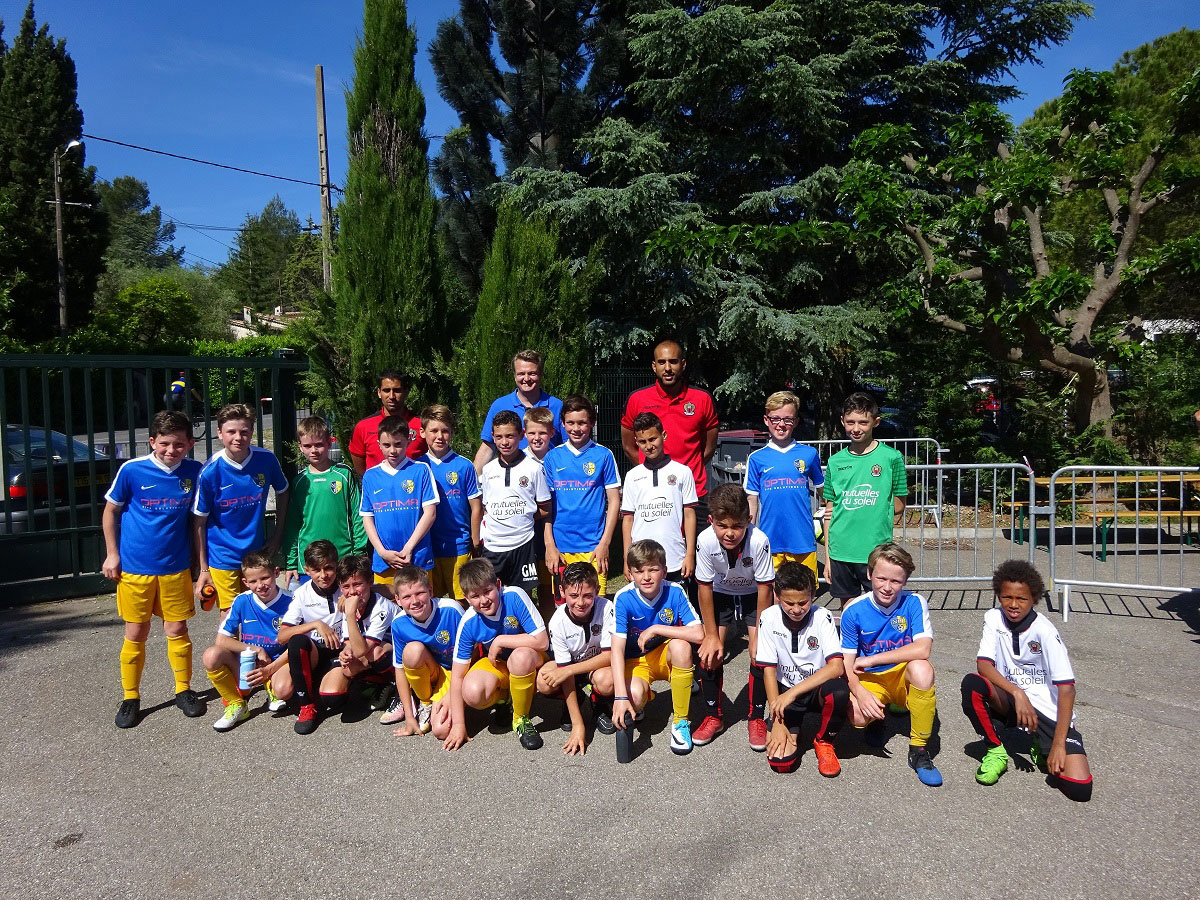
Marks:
<point>814,702</point>
<point>1045,733</point>
<point>730,608</point>
<point>848,580</point>
<point>516,568</point>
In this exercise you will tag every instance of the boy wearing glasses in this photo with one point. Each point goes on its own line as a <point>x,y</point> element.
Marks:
<point>780,480</point>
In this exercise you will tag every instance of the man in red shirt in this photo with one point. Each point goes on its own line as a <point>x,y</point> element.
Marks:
<point>687,414</point>
<point>364,442</point>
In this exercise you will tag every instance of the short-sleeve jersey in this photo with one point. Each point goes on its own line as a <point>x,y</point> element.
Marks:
<point>571,642</point>
<point>513,403</point>
<point>750,567</point>
<point>374,619</point>
<point>233,497</point>
<point>579,481</point>
<point>796,653</point>
<point>869,629</point>
<point>656,498</point>
<point>309,606</point>
<point>1034,659</point>
<point>364,440</point>
<point>396,499</point>
<point>323,506</point>
<point>457,486</point>
<point>862,488</point>
<point>517,615</point>
<point>257,624</point>
<point>155,504</point>
<point>687,420</point>
<point>437,633</point>
<point>633,614</point>
<point>511,495</point>
<point>782,479</point>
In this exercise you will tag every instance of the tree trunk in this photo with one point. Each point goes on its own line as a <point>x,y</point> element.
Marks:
<point>1093,400</point>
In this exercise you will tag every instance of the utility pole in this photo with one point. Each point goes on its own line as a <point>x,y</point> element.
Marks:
<point>326,210</point>
<point>58,232</point>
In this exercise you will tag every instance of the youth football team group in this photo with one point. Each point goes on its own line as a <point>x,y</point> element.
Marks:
<point>537,520</point>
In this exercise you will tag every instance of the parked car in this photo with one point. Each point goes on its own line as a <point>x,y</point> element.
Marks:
<point>36,471</point>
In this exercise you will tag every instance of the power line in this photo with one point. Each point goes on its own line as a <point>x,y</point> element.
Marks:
<point>187,252</point>
<point>175,221</point>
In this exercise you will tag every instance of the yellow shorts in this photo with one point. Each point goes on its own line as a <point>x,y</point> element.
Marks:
<point>387,576</point>
<point>500,670</point>
<point>568,558</point>
<point>139,597</point>
<point>652,667</point>
<point>808,559</point>
<point>442,691</point>
<point>445,576</point>
<point>888,686</point>
<point>228,583</point>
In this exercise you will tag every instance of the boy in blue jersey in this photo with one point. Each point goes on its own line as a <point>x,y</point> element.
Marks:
<point>455,531</point>
<point>501,642</point>
<point>231,499</point>
<point>585,492</point>
<point>886,643</point>
<point>252,624</point>
<point>146,530</point>
<point>399,505</point>
<point>422,654</point>
<point>654,630</point>
<point>780,480</point>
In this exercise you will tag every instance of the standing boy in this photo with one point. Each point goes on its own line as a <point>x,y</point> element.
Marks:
<point>864,492</point>
<point>399,505</point>
<point>515,495</point>
<point>658,502</point>
<point>887,641</point>
<point>324,504</point>
<point>455,530</point>
<point>364,441</point>
<point>230,505</point>
<point>147,538</point>
<point>422,655</point>
<point>780,480</point>
<point>586,492</point>
<point>540,436</point>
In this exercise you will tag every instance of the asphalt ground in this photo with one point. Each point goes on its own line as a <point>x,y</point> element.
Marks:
<point>174,809</point>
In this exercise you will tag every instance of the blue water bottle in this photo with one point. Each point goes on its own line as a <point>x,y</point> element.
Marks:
<point>249,662</point>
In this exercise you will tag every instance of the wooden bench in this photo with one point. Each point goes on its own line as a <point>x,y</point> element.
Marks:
<point>1108,517</point>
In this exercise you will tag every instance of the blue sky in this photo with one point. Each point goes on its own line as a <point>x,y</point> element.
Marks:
<point>233,82</point>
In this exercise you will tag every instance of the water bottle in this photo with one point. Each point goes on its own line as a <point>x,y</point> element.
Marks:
<point>249,662</point>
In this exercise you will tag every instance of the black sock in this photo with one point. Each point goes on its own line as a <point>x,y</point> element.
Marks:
<point>332,704</point>
<point>758,693</point>
<point>300,665</point>
<point>975,694</point>
<point>711,683</point>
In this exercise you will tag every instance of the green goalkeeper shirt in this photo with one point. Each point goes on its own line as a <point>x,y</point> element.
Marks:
<point>324,506</point>
<point>863,489</point>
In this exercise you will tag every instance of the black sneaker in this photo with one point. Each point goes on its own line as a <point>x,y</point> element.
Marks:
<point>191,704</point>
<point>129,713</point>
<point>604,722</point>
<point>530,739</point>
<point>502,722</point>
<point>381,699</point>
<point>922,763</point>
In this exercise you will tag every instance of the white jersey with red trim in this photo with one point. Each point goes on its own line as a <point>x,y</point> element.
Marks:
<point>1034,659</point>
<point>796,654</point>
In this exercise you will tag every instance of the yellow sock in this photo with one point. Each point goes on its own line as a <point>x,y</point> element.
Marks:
<point>681,691</point>
<point>520,688</point>
<point>133,658</point>
<point>179,652</point>
<point>418,680</point>
<point>921,707</point>
<point>226,684</point>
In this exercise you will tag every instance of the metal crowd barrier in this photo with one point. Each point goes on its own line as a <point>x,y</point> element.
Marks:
<point>1112,527</point>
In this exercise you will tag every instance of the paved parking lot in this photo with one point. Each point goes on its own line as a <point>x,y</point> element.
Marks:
<point>173,809</point>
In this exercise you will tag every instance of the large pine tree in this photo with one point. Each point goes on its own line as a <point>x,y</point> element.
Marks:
<point>387,292</point>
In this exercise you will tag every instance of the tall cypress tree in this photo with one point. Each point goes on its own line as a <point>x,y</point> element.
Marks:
<point>39,116</point>
<point>385,272</point>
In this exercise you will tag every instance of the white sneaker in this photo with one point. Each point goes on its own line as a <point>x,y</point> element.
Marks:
<point>424,717</point>
<point>274,704</point>
<point>394,713</point>
<point>235,713</point>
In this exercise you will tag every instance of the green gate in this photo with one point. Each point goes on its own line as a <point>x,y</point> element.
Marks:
<point>67,423</point>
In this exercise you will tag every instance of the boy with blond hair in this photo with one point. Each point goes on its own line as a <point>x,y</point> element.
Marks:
<point>540,434</point>
<point>455,531</point>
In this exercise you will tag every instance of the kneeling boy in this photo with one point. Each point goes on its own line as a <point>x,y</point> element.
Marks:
<point>1025,680</point>
<point>887,640</point>
<point>505,625</point>
<point>799,669</point>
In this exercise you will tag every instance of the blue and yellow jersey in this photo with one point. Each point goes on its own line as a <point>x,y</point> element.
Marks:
<point>437,633</point>
<point>783,480</point>
<point>634,614</point>
<point>155,503</point>
<point>257,625</point>
<point>457,485</point>
<point>232,497</point>
<point>579,482</point>
<point>395,498</point>
<point>517,615</point>
<point>869,629</point>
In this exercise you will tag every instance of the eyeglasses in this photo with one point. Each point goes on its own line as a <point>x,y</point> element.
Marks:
<point>781,420</point>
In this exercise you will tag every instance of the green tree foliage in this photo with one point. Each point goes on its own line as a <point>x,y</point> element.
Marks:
<point>39,116</point>
<point>256,269</point>
<point>150,313</point>
<point>531,297</point>
<point>138,237</point>
<point>388,307</point>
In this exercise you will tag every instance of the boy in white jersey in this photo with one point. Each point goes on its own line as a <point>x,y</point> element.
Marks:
<point>515,499</point>
<point>799,661</point>
<point>658,501</point>
<point>580,640</point>
<point>1025,681</point>
<point>541,432</point>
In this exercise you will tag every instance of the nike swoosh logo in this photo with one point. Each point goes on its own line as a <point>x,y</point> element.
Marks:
<point>226,487</point>
<point>560,469</point>
<point>378,491</point>
<point>768,468</point>
<point>146,487</point>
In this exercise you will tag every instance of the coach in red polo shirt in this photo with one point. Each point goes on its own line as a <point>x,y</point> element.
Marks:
<point>687,414</point>
<point>364,441</point>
